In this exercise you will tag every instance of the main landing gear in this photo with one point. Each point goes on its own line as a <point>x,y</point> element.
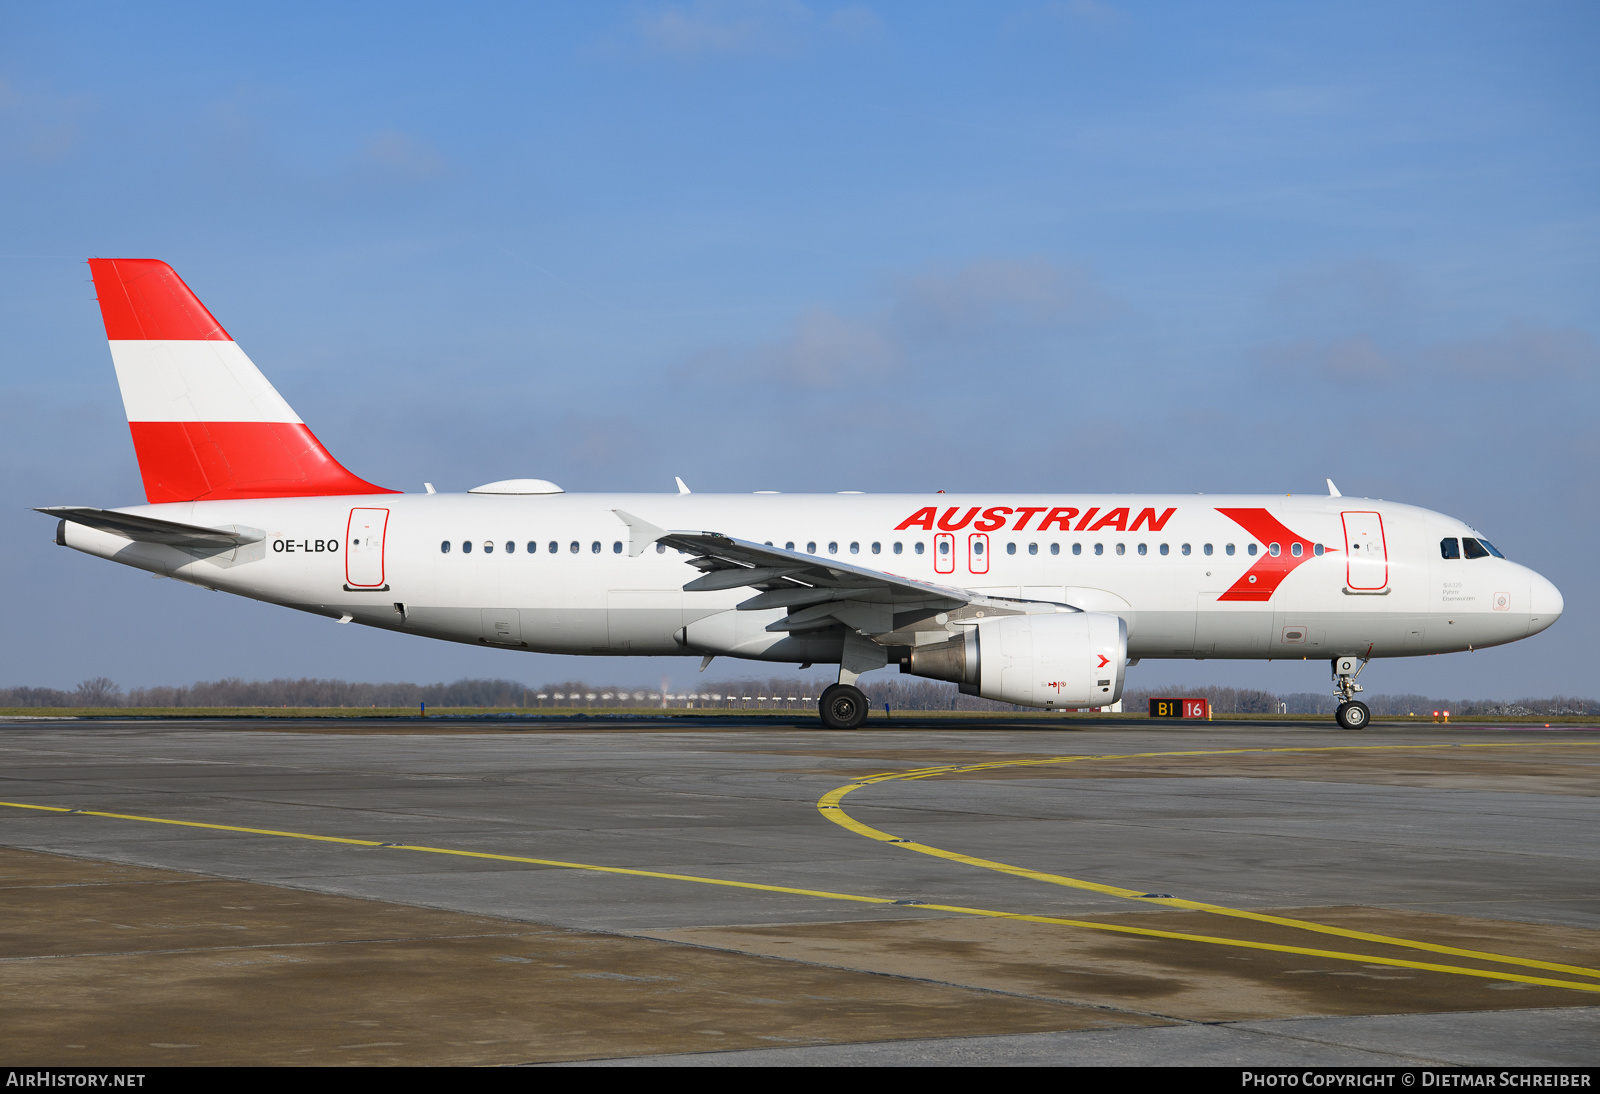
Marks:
<point>1352,713</point>
<point>843,706</point>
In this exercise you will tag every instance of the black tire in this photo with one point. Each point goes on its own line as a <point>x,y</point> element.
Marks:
<point>1353,715</point>
<point>843,706</point>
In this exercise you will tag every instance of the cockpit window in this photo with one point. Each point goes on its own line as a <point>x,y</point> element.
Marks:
<point>1449,547</point>
<point>1491,548</point>
<point>1474,548</point>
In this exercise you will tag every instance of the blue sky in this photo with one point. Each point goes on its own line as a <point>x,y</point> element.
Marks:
<point>812,246</point>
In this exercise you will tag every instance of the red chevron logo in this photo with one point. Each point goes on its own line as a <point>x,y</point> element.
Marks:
<point>1262,580</point>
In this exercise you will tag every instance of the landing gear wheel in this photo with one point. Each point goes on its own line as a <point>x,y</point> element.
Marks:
<point>1353,715</point>
<point>843,706</point>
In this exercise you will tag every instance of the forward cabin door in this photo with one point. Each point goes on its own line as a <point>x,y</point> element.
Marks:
<point>363,548</point>
<point>1366,553</point>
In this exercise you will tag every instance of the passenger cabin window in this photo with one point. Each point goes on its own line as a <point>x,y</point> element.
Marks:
<point>533,547</point>
<point>1296,550</point>
<point>877,548</point>
<point>1206,549</point>
<point>1122,548</point>
<point>1011,548</point>
<point>1274,550</point>
<point>1077,548</point>
<point>1164,548</point>
<point>444,548</point>
<point>1033,548</point>
<point>1449,547</point>
<point>488,547</point>
<point>573,546</point>
<point>811,547</point>
<point>897,548</point>
<point>554,547</point>
<point>789,546</point>
<point>594,548</point>
<point>1249,550</point>
<point>833,548</point>
<point>1099,548</point>
<point>1055,548</point>
<point>1318,550</point>
<point>855,548</point>
<point>1473,547</point>
<point>919,546</point>
<point>511,547</point>
<point>1184,549</point>
<point>466,546</point>
<point>1144,549</point>
<point>977,546</point>
<point>661,548</point>
<point>944,546</point>
<point>616,547</point>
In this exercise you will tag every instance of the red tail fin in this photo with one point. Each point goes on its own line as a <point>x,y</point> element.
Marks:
<point>206,424</point>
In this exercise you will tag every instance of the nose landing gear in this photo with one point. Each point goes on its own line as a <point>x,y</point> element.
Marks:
<point>1352,713</point>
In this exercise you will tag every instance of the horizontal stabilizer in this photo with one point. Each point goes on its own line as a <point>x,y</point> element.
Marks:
<point>151,530</point>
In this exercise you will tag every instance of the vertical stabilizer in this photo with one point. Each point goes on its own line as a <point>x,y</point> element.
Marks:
<point>206,424</point>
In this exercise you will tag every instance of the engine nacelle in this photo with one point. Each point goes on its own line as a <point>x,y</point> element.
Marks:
<point>1065,659</point>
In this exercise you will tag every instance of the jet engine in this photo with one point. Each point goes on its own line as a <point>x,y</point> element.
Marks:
<point>1067,659</point>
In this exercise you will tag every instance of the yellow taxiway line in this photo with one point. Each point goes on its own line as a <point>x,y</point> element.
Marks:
<point>828,805</point>
<point>830,809</point>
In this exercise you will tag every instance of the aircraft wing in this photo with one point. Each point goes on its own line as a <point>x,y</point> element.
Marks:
<point>152,530</point>
<point>817,591</point>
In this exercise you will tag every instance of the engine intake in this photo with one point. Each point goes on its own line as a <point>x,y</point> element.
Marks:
<point>1067,659</point>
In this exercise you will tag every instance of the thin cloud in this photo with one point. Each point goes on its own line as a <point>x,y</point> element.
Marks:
<point>992,298</point>
<point>402,157</point>
<point>1522,350</point>
<point>1069,14</point>
<point>995,293</point>
<point>37,128</point>
<point>823,351</point>
<point>1353,285</point>
<point>855,23</point>
<point>708,28</point>
<point>1340,360</point>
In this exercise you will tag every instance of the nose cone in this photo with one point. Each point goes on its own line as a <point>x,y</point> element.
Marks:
<point>1545,605</point>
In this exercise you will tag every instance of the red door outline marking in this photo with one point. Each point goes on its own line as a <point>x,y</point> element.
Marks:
<point>944,561</point>
<point>978,553</point>
<point>353,529</point>
<point>1351,554</point>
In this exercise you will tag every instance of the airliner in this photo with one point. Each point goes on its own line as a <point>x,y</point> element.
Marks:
<point>1041,600</point>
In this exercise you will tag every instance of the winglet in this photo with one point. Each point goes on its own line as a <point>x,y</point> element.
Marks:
<point>683,487</point>
<point>641,533</point>
<point>1333,491</point>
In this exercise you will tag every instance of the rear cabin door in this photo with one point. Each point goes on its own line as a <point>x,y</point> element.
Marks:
<point>363,548</point>
<point>1366,552</point>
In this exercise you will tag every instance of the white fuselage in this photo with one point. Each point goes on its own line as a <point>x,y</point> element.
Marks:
<point>1184,589</point>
